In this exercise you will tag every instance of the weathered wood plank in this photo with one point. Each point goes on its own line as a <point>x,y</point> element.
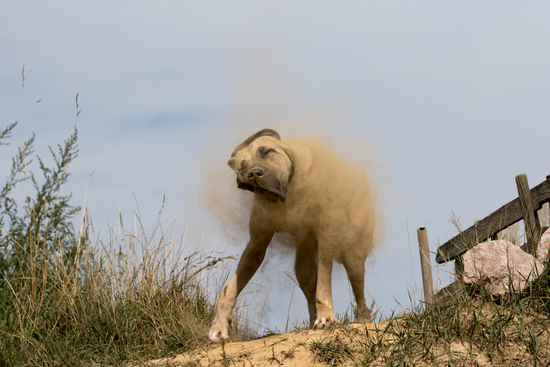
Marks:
<point>488,227</point>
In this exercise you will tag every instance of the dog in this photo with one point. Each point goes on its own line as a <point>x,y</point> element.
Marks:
<point>303,189</point>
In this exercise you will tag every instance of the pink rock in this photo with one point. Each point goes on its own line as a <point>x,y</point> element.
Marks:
<point>498,262</point>
<point>544,245</point>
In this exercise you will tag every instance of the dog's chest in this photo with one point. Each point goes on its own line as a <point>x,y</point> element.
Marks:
<point>297,220</point>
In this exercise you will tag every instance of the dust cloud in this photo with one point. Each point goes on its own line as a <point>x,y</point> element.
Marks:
<point>269,99</point>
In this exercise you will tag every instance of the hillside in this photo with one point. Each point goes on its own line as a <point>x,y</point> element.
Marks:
<point>488,336</point>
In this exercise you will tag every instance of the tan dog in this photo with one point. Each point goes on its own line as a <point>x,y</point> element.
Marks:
<point>307,191</point>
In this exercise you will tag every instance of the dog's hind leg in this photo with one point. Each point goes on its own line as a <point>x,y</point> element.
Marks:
<point>355,268</point>
<point>306,273</point>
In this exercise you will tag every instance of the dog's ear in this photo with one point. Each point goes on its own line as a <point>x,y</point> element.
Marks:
<point>264,132</point>
<point>291,158</point>
<point>232,162</point>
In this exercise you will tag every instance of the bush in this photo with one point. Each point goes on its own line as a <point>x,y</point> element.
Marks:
<point>42,227</point>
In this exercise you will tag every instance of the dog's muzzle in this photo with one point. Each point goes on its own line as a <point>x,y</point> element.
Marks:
<point>251,179</point>
<point>256,181</point>
<point>255,175</point>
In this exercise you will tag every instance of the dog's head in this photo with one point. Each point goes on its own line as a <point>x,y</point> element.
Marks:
<point>264,165</point>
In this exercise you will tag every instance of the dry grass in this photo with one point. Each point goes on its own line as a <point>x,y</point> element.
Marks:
<point>74,297</point>
<point>128,296</point>
<point>132,296</point>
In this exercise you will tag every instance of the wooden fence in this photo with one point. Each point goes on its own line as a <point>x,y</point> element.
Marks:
<point>527,207</point>
<point>531,206</point>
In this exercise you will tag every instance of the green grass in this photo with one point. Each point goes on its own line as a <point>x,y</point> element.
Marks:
<point>68,298</point>
<point>135,297</point>
<point>332,351</point>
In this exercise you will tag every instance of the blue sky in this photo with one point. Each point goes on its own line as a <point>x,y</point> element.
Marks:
<point>451,100</point>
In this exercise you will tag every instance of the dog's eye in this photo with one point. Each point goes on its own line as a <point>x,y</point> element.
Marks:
<point>266,152</point>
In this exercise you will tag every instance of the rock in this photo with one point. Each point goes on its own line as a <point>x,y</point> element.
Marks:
<point>544,245</point>
<point>498,262</point>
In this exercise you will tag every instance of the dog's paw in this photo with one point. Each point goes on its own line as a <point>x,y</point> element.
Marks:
<point>219,330</point>
<point>216,336</point>
<point>324,321</point>
<point>364,316</point>
<point>321,323</point>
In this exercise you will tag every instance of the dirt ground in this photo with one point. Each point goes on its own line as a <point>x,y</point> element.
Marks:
<point>290,349</point>
<point>346,345</point>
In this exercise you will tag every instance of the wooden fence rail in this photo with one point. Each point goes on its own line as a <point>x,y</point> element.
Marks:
<point>522,208</point>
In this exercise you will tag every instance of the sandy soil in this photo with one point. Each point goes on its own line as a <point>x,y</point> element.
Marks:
<point>341,346</point>
<point>290,349</point>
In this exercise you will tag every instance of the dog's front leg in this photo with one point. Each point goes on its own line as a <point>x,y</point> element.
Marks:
<point>250,261</point>
<point>323,294</point>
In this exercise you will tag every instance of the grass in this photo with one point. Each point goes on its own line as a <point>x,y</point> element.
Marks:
<point>131,296</point>
<point>135,296</point>
<point>332,351</point>
<point>466,328</point>
<point>71,297</point>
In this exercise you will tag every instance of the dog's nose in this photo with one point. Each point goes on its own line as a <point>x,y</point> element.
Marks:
<point>255,174</point>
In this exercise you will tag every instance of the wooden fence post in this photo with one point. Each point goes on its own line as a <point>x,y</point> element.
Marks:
<point>532,227</point>
<point>426,265</point>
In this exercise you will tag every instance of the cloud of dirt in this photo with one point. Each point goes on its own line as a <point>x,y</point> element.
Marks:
<point>269,99</point>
